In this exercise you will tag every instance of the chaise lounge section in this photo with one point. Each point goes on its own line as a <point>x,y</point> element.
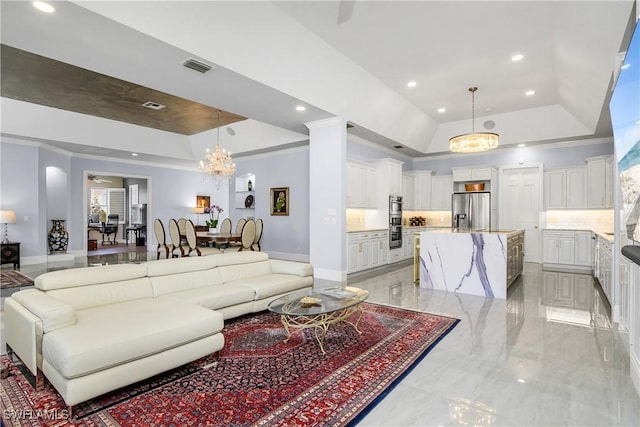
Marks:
<point>92,330</point>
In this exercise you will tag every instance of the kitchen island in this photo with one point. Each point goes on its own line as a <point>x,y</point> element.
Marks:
<point>471,262</point>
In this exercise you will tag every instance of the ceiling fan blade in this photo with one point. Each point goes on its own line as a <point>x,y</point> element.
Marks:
<point>345,10</point>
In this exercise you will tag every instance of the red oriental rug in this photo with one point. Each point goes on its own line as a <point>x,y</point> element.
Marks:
<point>257,380</point>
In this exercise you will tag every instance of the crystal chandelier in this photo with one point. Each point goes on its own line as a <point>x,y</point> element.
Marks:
<point>219,164</point>
<point>473,142</point>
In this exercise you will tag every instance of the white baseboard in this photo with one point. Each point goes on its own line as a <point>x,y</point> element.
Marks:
<point>62,257</point>
<point>332,275</point>
<point>29,260</point>
<point>635,371</point>
<point>288,256</point>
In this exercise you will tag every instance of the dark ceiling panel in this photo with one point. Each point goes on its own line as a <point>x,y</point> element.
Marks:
<point>39,80</point>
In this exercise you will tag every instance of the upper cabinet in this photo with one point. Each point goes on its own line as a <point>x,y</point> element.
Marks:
<point>409,181</point>
<point>423,190</point>
<point>441,190</point>
<point>566,188</point>
<point>361,185</point>
<point>476,174</point>
<point>600,176</point>
<point>580,187</point>
<point>389,178</point>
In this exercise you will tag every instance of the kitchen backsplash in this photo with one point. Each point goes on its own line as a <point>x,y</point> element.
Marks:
<point>364,219</point>
<point>592,219</point>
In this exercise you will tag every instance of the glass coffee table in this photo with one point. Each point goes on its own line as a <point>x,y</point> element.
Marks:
<point>319,309</point>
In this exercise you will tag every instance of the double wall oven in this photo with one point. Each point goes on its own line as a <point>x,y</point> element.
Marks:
<point>395,222</point>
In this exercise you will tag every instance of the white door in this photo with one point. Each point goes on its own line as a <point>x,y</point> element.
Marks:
<point>520,206</point>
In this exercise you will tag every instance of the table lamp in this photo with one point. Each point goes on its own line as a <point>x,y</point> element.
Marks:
<point>7,217</point>
<point>198,211</point>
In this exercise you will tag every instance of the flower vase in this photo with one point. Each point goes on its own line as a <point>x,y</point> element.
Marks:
<point>213,230</point>
<point>58,236</point>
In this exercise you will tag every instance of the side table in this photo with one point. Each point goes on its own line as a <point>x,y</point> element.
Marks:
<point>11,254</point>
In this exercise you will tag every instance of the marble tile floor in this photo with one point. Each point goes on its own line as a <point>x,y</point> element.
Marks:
<point>529,360</point>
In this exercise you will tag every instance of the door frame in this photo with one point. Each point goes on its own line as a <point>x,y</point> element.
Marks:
<point>542,217</point>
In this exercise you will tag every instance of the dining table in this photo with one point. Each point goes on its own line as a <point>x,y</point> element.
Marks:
<point>217,238</point>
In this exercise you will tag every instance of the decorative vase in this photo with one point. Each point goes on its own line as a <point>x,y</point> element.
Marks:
<point>58,236</point>
<point>213,230</point>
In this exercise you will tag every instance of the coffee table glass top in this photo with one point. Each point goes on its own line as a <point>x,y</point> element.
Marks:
<point>318,301</point>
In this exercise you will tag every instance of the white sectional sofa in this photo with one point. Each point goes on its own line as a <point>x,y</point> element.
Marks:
<point>92,330</point>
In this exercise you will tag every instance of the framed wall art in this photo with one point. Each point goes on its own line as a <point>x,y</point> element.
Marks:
<point>203,201</point>
<point>280,201</point>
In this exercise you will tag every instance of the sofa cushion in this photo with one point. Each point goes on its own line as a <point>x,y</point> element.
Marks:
<point>87,276</point>
<point>84,297</point>
<point>168,266</point>
<point>231,273</point>
<point>214,297</point>
<point>104,336</point>
<point>170,283</point>
<point>268,285</point>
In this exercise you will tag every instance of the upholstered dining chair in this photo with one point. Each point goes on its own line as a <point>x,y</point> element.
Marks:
<point>240,224</point>
<point>192,241</point>
<point>256,240</point>
<point>225,227</point>
<point>174,234</point>
<point>246,238</point>
<point>182,227</point>
<point>161,237</point>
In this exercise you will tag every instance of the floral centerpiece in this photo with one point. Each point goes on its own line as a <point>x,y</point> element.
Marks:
<point>214,213</point>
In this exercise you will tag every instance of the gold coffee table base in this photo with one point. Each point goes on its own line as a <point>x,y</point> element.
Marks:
<point>321,322</point>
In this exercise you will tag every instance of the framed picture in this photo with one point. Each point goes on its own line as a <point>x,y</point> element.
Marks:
<point>280,201</point>
<point>203,201</point>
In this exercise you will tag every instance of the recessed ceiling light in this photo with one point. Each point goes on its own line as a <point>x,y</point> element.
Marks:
<point>625,66</point>
<point>530,92</point>
<point>134,154</point>
<point>521,381</point>
<point>43,7</point>
<point>517,57</point>
<point>301,108</point>
<point>412,83</point>
<point>521,145</point>
<point>442,110</point>
<point>488,109</point>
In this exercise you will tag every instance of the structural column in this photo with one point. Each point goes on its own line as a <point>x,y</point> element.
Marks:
<point>327,189</point>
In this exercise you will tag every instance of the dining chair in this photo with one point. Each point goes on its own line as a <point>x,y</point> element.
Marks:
<point>182,227</point>
<point>240,224</point>
<point>161,237</point>
<point>192,241</point>
<point>174,234</point>
<point>109,228</point>
<point>246,239</point>
<point>225,227</point>
<point>256,240</point>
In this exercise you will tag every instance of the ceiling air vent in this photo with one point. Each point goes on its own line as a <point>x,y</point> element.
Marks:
<point>153,105</point>
<point>197,65</point>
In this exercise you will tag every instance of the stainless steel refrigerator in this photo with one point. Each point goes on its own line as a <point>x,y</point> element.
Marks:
<point>471,210</point>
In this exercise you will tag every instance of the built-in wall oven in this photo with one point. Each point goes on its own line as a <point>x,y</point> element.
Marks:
<point>395,222</point>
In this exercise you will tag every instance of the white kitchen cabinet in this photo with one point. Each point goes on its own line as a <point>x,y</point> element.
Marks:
<point>441,190</point>
<point>605,266</point>
<point>566,188</point>
<point>583,248</point>
<point>624,269</point>
<point>388,178</point>
<point>366,249</point>
<point>361,185</point>
<point>409,180</point>
<point>423,190</point>
<point>558,247</point>
<point>600,182</point>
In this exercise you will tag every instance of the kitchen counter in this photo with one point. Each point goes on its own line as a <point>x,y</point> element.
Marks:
<point>471,262</point>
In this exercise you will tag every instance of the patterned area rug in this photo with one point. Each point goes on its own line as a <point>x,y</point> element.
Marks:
<point>13,279</point>
<point>257,379</point>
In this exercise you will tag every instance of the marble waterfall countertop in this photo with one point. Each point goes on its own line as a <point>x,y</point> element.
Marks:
<point>471,262</point>
<point>468,231</point>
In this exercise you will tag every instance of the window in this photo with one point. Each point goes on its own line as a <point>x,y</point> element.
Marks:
<point>106,201</point>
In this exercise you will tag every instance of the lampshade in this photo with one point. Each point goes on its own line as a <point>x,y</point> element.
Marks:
<point>475,141</point>
<point>7,217</point>
<point>197,210</point>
